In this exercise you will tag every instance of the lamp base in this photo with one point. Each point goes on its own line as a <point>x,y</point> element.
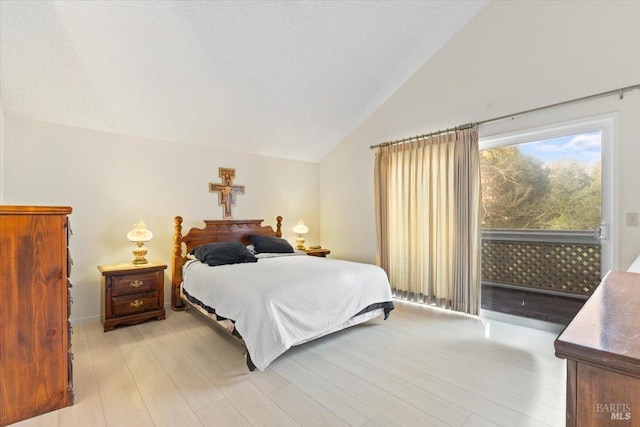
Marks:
<point>300,243</point>
<point>139,254</point>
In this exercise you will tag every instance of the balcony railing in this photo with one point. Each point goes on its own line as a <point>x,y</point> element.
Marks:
<point>548,261</point>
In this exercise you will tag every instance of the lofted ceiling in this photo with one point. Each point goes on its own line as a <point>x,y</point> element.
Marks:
<point>280,78</point>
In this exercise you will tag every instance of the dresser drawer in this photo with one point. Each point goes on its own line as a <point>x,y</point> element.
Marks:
<point>135,283</point>
<point>136,303</point>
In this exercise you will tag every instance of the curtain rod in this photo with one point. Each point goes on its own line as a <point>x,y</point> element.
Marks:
<point>425,135</point>
<point>619,92</point>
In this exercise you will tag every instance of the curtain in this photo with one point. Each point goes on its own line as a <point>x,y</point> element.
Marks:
<point>428,198</point>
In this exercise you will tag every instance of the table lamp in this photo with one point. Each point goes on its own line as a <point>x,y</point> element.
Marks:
<point>139,235</point>
<point>300,229</point>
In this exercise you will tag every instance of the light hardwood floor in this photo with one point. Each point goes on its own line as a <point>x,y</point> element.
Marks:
<point>422,367</point>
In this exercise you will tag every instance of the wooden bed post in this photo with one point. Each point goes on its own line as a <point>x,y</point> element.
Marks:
<point>178,262</point>
<point>278,226</point>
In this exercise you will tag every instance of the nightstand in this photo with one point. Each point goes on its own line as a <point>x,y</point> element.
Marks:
<point>131,293</point>
<point>317,252</point>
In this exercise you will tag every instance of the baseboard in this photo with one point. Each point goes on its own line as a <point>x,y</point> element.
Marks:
<point>83,320</point>
<point>522,321</point>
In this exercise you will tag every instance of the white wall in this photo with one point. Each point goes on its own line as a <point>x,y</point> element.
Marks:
<point>512,56</point>
<point>111,181</point>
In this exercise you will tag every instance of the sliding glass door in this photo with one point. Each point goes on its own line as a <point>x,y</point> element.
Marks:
<point>546,218</point>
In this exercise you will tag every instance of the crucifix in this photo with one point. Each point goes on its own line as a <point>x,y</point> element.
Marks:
<point>226,191</point>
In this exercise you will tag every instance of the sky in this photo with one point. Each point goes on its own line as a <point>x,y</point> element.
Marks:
<point>584,147</point>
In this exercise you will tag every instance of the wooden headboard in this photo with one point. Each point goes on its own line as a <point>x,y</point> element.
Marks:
<point>214,231</point>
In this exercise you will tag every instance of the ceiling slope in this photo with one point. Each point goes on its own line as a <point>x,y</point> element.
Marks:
<point>283,79</point>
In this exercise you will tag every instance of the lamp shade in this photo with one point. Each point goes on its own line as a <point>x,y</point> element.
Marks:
<point>140,233</point>
<point>300,228</point>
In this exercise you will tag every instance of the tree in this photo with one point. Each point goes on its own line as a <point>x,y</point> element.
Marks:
<point>521,192</point>
<point>514,186</point>
<point>575,195</point>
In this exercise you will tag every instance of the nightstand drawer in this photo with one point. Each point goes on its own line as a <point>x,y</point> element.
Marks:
<point>136,303</point>
<point>135,283</point>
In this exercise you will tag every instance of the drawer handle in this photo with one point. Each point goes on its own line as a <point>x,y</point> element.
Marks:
<point>136,303</point>
<point>136,283</point>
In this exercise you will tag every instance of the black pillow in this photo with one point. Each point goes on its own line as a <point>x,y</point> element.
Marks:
<point>222,253</point>
<point>273,245</point>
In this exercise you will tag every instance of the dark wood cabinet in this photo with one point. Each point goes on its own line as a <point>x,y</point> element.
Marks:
<point>602,348</point>
<point>132,293</point>
<point>35,342</point>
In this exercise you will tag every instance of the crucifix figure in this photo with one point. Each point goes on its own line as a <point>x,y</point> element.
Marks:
<point>226,191</point>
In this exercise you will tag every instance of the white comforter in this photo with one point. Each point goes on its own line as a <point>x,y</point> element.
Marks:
<point>283,301</point>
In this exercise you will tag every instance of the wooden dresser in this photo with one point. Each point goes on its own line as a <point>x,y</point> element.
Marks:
<point>602,348</point>
<point>35,342</point>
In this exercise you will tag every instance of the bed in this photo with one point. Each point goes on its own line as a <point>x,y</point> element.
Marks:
<point>277,300</point>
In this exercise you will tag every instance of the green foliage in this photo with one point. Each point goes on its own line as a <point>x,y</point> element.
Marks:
<point>521,192</point>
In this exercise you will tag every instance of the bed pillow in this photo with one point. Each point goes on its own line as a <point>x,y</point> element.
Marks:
<point>274,245</point>
<point>223,253</point>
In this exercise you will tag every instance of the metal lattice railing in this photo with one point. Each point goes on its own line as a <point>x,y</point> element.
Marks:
<point>563,262</point>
